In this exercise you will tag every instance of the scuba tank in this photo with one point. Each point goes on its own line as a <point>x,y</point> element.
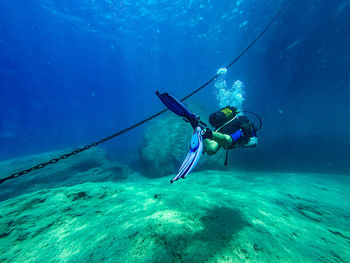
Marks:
<point>223,116</point>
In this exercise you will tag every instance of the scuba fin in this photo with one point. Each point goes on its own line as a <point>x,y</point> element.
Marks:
<point>179,109</point>
<point>192,157</point>
<point>196,147</point>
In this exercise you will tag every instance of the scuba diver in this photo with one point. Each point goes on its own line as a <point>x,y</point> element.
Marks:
<point>231,131</point>
<point>231,128</point>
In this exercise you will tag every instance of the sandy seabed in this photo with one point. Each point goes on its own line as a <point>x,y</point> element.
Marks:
<point>211,216</point>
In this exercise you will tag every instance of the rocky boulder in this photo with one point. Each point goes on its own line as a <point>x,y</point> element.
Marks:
<point>166,142</point>
<point>93,165</point>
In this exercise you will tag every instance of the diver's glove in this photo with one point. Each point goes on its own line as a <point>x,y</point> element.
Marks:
<point>207,133</point>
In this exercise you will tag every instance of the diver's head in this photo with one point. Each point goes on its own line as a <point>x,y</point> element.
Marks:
<point>219,118</point>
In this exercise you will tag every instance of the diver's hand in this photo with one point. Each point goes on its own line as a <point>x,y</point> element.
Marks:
<point>207,133</point>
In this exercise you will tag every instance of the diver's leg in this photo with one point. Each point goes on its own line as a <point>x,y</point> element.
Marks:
<point>224,140</point>
<point>210,147</point>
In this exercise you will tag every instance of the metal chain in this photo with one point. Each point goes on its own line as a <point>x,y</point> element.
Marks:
<point>87,147</point>
<point>79,150</point>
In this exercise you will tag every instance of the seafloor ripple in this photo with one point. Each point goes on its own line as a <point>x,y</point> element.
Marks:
<point>209,217</point>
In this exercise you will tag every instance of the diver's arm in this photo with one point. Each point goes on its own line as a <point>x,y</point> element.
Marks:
<point>224,140</point>
<point>210,147</point>
<point>227,141</point>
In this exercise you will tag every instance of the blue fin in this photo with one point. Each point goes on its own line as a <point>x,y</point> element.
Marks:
<point>178,108</point>
<point>192,157</point>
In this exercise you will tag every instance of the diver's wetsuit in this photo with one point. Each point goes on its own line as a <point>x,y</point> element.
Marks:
<point>241,129</point>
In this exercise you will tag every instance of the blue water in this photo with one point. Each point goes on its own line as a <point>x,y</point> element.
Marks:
<point>72,72</point>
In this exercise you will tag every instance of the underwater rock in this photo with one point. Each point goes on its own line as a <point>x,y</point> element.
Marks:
<point>89,166</point>
<point>166,143</point>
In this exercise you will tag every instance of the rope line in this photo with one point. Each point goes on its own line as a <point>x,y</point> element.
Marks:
<point>243,52</point>
<point>87,147</point>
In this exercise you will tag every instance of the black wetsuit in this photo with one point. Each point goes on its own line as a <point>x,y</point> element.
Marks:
<point>239,123</point>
